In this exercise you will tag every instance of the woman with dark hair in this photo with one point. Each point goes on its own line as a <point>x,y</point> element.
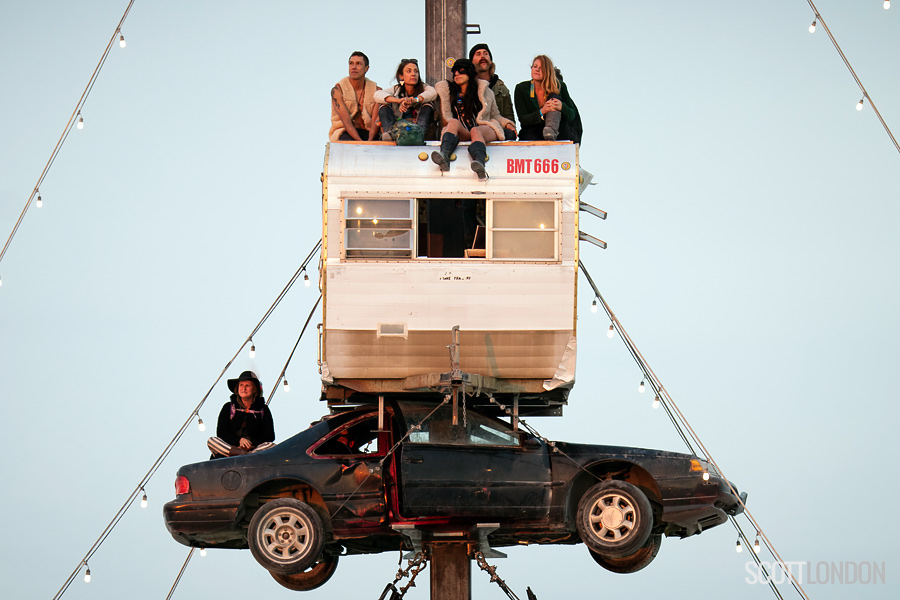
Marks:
<point>469,113</point>
<point>410,99</point>
<point>543,103</point>
<point>245,422</point>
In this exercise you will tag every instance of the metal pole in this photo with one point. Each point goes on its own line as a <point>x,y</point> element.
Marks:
<point>451,571</point>
<point>445,36</point>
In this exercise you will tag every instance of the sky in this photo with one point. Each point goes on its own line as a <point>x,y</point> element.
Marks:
<point>752,249</point>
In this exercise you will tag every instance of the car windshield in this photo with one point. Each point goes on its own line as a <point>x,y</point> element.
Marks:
<point>473,428</point>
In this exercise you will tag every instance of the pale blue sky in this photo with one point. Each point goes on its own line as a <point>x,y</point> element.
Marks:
<point>752,252</point>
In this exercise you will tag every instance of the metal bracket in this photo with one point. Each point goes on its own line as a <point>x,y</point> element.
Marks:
<point>412,534</point>
<point>483,530</point>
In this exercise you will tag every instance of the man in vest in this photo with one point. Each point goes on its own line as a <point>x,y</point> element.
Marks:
<point>353,103</point>
<point>480,55</point>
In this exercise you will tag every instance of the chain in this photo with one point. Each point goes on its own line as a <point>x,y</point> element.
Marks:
<point>484,566</point>
<point>414,566</point>
<point>465,422</point>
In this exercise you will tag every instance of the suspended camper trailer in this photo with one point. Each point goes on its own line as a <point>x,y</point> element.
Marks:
<point>431,278</point>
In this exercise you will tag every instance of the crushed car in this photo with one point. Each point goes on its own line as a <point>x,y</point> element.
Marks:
<point>359,481</point>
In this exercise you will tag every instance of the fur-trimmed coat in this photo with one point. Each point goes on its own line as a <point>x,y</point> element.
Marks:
<point>367,109</point>
<point>488,115</point>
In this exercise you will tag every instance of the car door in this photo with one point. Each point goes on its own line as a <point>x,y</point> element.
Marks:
<point>479,468</point>
<point>352,486</point>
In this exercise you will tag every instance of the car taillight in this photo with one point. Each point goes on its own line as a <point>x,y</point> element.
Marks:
<point>182,485</point>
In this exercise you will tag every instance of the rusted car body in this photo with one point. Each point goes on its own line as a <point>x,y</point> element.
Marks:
<point>419,472</point>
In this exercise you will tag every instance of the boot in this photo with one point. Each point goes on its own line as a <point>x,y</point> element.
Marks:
<point>551,125</point>
<point>448,145</point>
<point>478,153</point>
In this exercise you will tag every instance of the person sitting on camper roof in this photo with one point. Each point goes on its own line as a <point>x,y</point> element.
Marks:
<point>469,112</point>
<point>353,103</point>
<point>410,99</point>
<point>543,103</point>
<point>481,57</point>
<point>245,422</point>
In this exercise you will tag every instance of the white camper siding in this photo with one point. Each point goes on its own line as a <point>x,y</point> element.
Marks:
<point>390,317</point>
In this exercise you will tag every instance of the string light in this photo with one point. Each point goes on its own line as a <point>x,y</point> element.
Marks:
<point>87,574</point>
<point>305,279</point>
<point>40,202</point>
<point>887,4</point>
<point>594,306</point>
<point>202,551</point>
<point>80,124</point>
<point>612,331</point>
<point>738,548</point>
<point>144,499</point>
<point>756,543</point>
<point>200,424</point>
<point>121,41</point>
<point>252,350</point>
<point>812,28</point>
<point>641,387</point>
<point>287,387</point>
<point>859,105</point>
<point>656,402</point>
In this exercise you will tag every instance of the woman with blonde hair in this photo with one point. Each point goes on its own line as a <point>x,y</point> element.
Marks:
<point>543,103</point>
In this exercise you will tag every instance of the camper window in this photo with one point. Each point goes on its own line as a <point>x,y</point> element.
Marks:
<point>378,228</point>
<point>523,229</point>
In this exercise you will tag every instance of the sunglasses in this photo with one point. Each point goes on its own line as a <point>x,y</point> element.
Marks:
<point>406,61</point>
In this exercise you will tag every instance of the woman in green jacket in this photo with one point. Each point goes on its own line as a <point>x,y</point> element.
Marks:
<point>543,103</point>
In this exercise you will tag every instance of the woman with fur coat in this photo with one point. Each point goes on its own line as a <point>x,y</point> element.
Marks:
<point>469,113</point>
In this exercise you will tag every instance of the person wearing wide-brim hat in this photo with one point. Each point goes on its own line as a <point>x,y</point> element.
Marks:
<point>245,422</point>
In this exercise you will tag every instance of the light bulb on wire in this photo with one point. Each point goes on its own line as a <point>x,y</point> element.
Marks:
<point>40,202</point>
<point>887,4</point>
<point>144,499</point>
<point>202,551</point>
<point>121,41</point>
<point>87,574</point>
<point>612,331</point>
<point>305,279</point>
<point>200,424</point>
<point>252,350</point>
<point>656,402</point>
<point>287,387</point>
<point>641,387</point>
<point>738,548</point>
<point>80,124</point>
<point>812,28</point>
<point>756,544</point>
<point>859,105</point>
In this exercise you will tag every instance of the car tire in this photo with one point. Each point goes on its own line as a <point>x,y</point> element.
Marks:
<point>614,518</point>
<point>633,562</point>
<point>311,578</point>
<point>286,536</point>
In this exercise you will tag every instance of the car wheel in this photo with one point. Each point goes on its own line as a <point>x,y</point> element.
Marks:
<point>286,536</point>
<point>614,518</point>
<point>632,562</point>
<point>311,578</point>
